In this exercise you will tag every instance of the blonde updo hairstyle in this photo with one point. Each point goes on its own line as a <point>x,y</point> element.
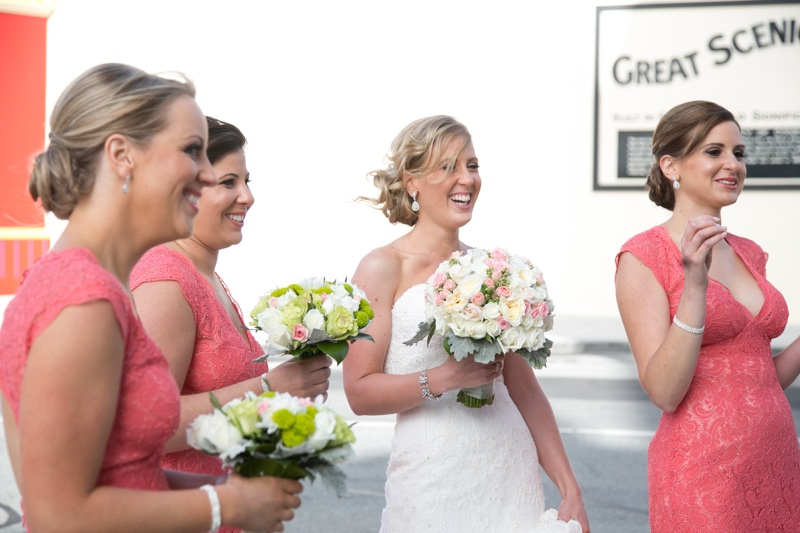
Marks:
<point>415,152</point>
<point>106,99</point>
<point>678,134</point>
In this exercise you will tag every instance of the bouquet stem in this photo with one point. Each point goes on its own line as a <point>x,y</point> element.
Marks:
<point>477,396</point>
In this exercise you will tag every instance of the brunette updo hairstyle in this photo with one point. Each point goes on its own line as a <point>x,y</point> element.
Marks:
<point>678,134</point>
<point>415,152</point>
<point>223,138</point>
<point>106,99</point>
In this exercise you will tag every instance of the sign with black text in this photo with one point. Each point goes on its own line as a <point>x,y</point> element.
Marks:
<point>744,56</point>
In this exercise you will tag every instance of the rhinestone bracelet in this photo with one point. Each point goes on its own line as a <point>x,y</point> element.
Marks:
<point>216,515</point>
<point>264,383</point>
<point>423,384</point>
<point>684,327</point>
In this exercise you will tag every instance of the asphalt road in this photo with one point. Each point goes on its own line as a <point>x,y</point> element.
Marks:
<point>606,422</point>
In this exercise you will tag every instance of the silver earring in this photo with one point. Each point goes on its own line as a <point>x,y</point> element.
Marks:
<point>414,203</point>
<point>676,184</point>
<point>127,185</point>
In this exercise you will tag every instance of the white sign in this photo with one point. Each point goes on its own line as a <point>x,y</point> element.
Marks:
<point>744,56</point>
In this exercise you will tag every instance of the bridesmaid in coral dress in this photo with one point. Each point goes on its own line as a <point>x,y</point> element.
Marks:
<point>88,399</point>
<point>187,310</point>
<point>725,456</point>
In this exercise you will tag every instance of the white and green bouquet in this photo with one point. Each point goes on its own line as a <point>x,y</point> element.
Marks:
<point>312,317</point>
<point>488,302</point>
<point>276,434</point>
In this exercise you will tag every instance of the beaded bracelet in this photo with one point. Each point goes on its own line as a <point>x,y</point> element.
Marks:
<point>216,512</point>
<point>423,384</point>
<point>684,327</point>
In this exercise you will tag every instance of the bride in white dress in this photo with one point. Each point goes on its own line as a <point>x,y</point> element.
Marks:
<point>452,468</point>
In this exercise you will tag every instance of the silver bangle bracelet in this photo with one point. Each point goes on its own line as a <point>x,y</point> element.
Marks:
<point>216,512</point>
<point>264,383</point>
<point>684,327</point>
<point>423,384</point>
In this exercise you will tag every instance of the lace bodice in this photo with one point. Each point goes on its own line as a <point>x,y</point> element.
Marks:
<point>452,468</point>
<point>222,356</point>
<point>727,459</point>
<point>148,405</point>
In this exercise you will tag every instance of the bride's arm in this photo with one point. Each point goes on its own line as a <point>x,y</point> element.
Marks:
<point>369,390</point>
<point>533,405</point>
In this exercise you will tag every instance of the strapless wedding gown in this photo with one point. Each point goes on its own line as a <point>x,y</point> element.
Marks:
<point>453,468</point>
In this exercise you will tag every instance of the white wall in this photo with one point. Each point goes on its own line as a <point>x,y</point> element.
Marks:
<point>320,88</point>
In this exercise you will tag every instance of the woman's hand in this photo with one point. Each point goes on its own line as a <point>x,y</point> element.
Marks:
<point>259,504</point>
<point>305,379</point>
<point>702,233</point>
<point>572,508</point>
<point>469,373</point>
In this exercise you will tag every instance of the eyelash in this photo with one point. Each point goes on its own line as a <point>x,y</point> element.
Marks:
<point>716,152</point>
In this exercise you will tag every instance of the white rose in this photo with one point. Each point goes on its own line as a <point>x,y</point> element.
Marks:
<point>312,283</point>
<point>454,304</point>
<point>512,309</point>
<point>534,339</point>
<point>269,318</point>
<point>213,433</point>
<point>521,275</point>
<point>493,328</point>
<point>457,272</point>
<point>285,298</point>
<point>314,320</point>
<point>471,284</point>
<point>527,322</point>
<point>325,426</point>
<point>456,324</point>
<point>472,313</point>
<point>476,330</point>
<point>491,311</point>
<point>280,338</point>
<point>512,339</point>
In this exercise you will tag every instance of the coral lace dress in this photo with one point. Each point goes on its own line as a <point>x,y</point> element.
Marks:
<point>727,460</point>
<point>148,407</point>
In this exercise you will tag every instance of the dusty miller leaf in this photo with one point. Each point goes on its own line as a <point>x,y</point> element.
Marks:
<point>426,329</point>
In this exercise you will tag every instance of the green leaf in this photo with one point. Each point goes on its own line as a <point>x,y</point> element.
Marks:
<point>426,329</point>
<point>214,401</point>
<point>361,336</point>
<point>460,347</point>
<point>336,350</point>
<point>538,358</point>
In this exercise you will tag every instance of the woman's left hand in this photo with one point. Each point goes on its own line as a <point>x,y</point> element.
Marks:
<point>572,508</point>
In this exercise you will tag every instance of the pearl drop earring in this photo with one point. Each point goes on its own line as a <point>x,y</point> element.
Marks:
<point>414,203</point>
<point>675,183</point>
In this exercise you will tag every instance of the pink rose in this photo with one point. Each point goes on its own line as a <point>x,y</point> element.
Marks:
<point>439,298</point>
<point>449,285</point>
<point>489,282</point>
<point>299,333</point>
<point>498,253</point>
<point>479,299</point>
<point>439,278</point>
<point>497,273</point>
<point>503,323</point>
<point>541,310</point>
<point>503,292</point>
<point>273,302</point>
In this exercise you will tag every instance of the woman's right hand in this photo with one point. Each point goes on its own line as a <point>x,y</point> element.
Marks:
<point>305,379</point>
<point>469,373</point>
<point>259,504</point>
<point>702,233</point>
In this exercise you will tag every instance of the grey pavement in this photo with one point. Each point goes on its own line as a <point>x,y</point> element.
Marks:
<point>605,418</point>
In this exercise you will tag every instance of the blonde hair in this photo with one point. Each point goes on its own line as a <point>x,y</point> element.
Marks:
<point>106,99</point>
<point>415,152</point>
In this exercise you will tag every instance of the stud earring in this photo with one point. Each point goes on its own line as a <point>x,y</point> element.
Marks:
<point>414,203</point>
<point>675,183</point>
<point>126,187</point>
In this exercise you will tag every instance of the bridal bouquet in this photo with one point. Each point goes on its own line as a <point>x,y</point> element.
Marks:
<point>312,317</point>
<point>488,302</point>
<point>276,434</point>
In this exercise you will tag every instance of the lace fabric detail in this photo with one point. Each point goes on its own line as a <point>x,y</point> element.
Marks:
<point>221,356</point>
<point>148,404</point>
<point>453,468</point>
<point>728,458</point>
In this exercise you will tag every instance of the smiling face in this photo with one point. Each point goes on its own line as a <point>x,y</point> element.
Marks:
<point>712,176</point>
<point>170,171</point>
<point>224,205</point>
<point>447,194</point>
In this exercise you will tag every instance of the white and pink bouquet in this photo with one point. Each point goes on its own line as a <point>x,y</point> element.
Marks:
<point>276,434</point>
<point>312,317</point>
<point>485,303</point>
